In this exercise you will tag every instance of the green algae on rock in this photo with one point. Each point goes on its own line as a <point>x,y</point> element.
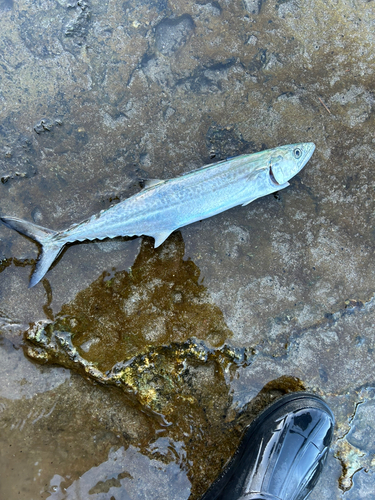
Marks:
<point>154,333</point>
<point>141,329</point>
<point>157,377</point>
<point>185,385</point>
<point>158,301</point>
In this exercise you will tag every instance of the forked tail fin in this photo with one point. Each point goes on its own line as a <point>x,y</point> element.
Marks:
<point>50,247</point>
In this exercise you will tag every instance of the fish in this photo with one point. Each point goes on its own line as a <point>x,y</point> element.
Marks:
<point>166,205</point>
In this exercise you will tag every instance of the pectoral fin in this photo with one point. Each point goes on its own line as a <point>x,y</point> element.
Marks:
<point>251,199</point>
<point>161,237</point>
<point>278,187</point>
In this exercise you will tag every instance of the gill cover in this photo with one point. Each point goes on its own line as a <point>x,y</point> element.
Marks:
<point>277,169</point>
<point>285,166</point>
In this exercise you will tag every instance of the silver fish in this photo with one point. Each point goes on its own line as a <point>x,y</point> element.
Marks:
<point>166,205</point>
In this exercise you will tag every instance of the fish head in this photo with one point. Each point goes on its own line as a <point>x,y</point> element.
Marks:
<point>286,161</point>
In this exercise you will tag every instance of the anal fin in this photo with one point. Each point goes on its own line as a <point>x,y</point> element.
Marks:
<point>161,237</point>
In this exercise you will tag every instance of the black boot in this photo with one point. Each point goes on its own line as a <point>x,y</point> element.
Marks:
<point>282,453</point>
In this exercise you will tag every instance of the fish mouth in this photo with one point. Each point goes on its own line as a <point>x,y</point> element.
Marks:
<point>272,177</point>
<point>308,153</point>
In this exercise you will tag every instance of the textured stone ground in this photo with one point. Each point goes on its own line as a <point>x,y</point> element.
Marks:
<point>96,95</point>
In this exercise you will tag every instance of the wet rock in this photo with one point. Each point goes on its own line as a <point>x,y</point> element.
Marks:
<point>362,432</point>
<point>159,71</point>
<point>253,6</point>
<point>173,382</point>
<point>208,79</point>
<point>77,440</point>
<point>287,7</point>
<point>355,449</point>
<point>211,8</point>
<point>41,37</point>
<point>159,299</point>
<point>160,379</point>
<point>18,153</point>
<point>78,27</point>
<point>291,276</point>
<point>159,5</point>
<point>258,62</point>
<point>25,380</point>
<point>47,125</point>
<point>222,142</point>
<point>5,178</point>
<point>104,335</point>
<point>363,482</point>
<point>30,172</point>
<point>171,34</point>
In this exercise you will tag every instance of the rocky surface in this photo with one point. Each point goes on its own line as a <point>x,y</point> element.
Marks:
<point>94,97</point>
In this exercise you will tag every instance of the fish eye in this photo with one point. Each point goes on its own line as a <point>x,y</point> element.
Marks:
<point>297,153</point>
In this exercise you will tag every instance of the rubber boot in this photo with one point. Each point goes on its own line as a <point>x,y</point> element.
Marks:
<point>282,453</point>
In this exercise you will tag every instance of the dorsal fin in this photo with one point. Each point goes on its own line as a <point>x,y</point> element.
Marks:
<point>151,182</point>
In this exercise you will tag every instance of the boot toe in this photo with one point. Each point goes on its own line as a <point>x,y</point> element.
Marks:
<point>282,453</point>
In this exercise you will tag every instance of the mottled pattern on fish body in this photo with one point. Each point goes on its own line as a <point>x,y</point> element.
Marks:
<point>167,205</point>
<point>158,210</point>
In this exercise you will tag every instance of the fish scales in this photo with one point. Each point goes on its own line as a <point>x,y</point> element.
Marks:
<point>181,201</point>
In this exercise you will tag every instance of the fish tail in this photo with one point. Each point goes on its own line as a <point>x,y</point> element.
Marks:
<point>51,247</point>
